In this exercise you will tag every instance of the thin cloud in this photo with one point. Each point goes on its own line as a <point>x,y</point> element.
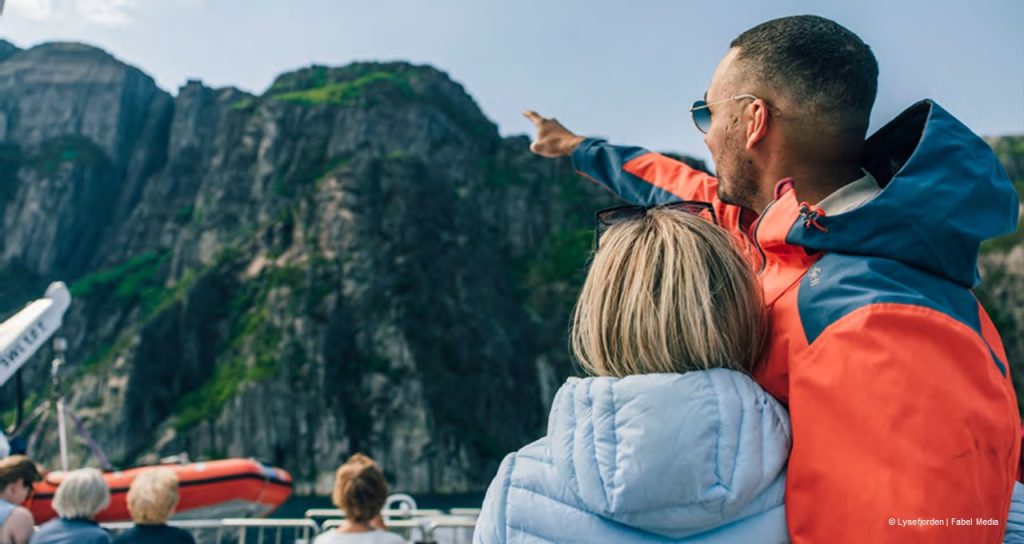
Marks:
<point>37,10</point>
<point>106,12</point>
<point>99,12</point>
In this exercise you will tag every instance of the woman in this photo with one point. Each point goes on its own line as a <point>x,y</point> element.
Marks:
<point>670,440</point>
<point>80,496</point>
<point>17,476</point>
<point>360,491</point>
<point>152,498</point>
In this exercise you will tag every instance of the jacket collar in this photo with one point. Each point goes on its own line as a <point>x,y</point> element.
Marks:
<point>784,263</point>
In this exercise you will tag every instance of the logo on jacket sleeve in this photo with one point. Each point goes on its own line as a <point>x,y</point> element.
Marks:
<point>815,276</point>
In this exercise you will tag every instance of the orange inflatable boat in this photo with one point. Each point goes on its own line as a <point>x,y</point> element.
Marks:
<point>225,488</point>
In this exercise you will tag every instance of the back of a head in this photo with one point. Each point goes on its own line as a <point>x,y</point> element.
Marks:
<point>153,496</point>
<point>81,494</point>
<point>824,70</point>
<point>18,468</point>
<point>667,292</point>
<point>360,488</point>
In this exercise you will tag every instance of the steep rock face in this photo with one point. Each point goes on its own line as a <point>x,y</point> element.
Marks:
<point>54,90</point>
<point>84,131</point>
<point>354,261</point>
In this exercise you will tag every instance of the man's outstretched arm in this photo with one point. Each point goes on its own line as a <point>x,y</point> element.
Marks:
<point>634,174</point>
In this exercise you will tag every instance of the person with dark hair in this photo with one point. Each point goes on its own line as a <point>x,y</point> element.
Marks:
<point>18,475</point>
<point>360,491</point>
<point>866,251</point>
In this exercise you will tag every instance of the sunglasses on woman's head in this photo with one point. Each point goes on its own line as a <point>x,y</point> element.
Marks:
<point>620,214</point>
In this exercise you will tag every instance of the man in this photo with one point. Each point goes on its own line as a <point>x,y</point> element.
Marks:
<point>904,418</point>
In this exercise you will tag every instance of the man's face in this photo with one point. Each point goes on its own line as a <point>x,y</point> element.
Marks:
<point>726,138</point>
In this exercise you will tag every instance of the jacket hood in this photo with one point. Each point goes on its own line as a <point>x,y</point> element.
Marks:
<point>671,454</point>
<point>943,193</point>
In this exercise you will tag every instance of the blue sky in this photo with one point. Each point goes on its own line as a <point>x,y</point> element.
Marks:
<point>624,71</point>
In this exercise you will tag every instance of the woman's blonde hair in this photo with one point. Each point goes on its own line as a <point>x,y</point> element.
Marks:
<point>81,494</point>
<point>667,292</point>
<point>153,496</point>
<point>360,489</point>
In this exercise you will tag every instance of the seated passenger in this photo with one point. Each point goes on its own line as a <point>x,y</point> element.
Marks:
<point>360,491</point>
<point>670,440</point>
<point>152,498</point>
<point>80,496</point>
<point>18,475</point>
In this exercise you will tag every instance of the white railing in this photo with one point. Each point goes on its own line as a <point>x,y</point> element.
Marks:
<point>240,530</point>
<point>412,530</point>
<point>389,513</point>
<point>300,530</point>
<point>202,530</point>
<point>450,530</point>
<point>438,529</point>
<point>421,526</point>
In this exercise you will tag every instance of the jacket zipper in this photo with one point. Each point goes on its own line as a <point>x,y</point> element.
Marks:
<point>753,239</point>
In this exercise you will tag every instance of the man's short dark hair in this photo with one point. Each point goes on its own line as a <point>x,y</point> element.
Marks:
<point>816,62</point>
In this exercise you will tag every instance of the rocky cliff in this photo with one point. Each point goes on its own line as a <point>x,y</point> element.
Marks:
<point>353,260</point>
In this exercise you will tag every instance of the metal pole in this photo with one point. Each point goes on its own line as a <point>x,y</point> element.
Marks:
<point>63,433</point>
<point>59,346</point>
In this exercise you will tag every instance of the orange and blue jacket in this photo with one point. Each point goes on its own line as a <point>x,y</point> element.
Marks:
<point>904,418</point>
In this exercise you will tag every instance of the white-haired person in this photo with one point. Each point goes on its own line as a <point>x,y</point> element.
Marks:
<point>80,496</point>
<point>152,498</point>
<point>18,475</point>
<point>670,439</point>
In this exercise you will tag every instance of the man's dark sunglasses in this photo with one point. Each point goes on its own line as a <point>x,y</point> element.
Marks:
<point>620,214</point>
<point>701,111</point>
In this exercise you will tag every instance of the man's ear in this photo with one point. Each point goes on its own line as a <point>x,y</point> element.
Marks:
<point>757,124</point>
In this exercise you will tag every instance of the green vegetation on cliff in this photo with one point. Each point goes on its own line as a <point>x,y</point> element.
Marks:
<point>138,280</point>
<point>250,354</point>
<point>553,276</point>
<point>346,92</point>
<point>135,283</point>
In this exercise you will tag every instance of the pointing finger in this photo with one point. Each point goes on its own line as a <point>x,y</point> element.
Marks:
<point>534,117</point>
